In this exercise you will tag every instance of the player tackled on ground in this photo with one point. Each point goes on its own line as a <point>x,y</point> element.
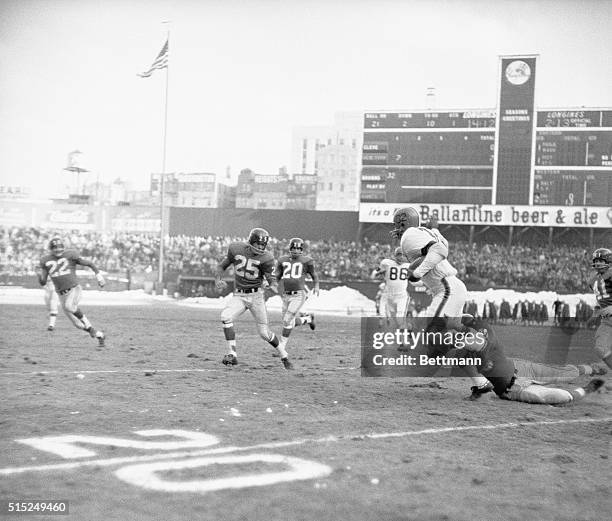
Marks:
<point>252,265</point>
<point>520,380</point>
<point>291,271</point>
<point>60,265</point>
<point>601,284</point>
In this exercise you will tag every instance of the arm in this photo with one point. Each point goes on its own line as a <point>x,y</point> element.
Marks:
<point>436,252</point>
<point>89,264</point>
<point>310,269</point>
<point>42,275</point>
<point>221,285</point>
<point>272,279</point>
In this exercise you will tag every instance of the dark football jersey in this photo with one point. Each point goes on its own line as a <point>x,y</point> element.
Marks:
<point>495,366</point>
<point>62,269</point>
<point>249,269</point>
<point>602,285</point>
<point>293,271</point>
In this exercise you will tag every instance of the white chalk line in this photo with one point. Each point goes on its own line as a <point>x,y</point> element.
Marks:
<point>145,370</point>
<point>282,444</point>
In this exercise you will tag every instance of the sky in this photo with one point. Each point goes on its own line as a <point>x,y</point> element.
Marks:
<point>243,74</point>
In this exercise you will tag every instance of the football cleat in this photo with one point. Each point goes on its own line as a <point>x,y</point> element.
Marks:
<point>101,338</point>
<point>312,324</point>
<point>288,365</point>
<point>230,359</point>
<point>50,328</point>
<point>593,385</point>
<point>477,392</point>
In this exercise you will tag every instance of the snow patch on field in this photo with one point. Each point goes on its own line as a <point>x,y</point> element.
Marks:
<point>338,300</point>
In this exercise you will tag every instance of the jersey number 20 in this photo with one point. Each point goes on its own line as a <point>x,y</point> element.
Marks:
<point>292,271</point>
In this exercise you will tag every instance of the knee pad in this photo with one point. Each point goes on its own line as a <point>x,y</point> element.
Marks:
<point>227,324</point>
<point>264,332</point>
<point>288,320</point>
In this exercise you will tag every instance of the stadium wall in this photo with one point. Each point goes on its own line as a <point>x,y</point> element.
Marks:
<point>283,224</point>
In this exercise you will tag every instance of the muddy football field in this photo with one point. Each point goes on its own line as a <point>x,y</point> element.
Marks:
<point>153,426</point>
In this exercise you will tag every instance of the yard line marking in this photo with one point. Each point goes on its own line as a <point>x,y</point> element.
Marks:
<point>111,371</point>
<point>282,444</point>
<point>141,370</point>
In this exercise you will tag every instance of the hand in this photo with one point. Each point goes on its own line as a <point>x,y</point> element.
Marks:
<point>100,280</point>
<point>220,285</point>
<point>273,288</point>
<point>315,291</point>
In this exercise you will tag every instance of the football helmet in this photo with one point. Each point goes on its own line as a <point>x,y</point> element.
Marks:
<point>602,258</point>
<point>258,240</point>
<point>404,218</point>
<point>296,247</point>
<point>398,253</point>
<point>56,246</point>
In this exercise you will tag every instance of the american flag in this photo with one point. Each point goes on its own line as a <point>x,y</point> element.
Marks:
<point>161,62</point>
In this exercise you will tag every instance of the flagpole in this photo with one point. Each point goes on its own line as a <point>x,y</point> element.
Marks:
<point>160,277</point>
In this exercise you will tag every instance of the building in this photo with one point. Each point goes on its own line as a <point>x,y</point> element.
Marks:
<point>261,191</point>
<point>338,168</point>
<point>306,141</point>
<point>302,192</point>
<point>338,178</point>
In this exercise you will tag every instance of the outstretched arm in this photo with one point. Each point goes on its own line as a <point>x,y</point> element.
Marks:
<point>89,264</point>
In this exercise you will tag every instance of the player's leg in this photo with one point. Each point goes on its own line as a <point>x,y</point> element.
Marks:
<point>260,314</point>
<point>603,341</point>
<point>52,304</point>
<point>534,393</point>
<point>291,307</point>
<point>72,309</point>
<point>550,374</point>
<point>234,307</point>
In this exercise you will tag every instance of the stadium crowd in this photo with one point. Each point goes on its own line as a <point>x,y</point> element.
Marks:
<point>562,268</point>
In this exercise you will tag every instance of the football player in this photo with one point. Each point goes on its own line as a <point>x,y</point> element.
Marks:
<point>51,303</point>
<point>601,284</point>
<point>252,265</point>
<point>60,265</point>
<point>520,380</point>
<point>291,271</point>
<point>395,296</point>
<point>427,251</point>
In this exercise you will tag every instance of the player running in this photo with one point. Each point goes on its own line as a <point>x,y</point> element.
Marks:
<point>601,284</point>
<point>427,250</point>
<point>395,296</point>
<point>60,265</point>
<point>252,265</point>
<point>291,271</point>
<point>51,303</point>
<point>520,380</point>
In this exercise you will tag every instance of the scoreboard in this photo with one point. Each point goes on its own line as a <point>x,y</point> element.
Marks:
<point>428,157</point>
<point>449,157</point>
<point>573,158</point>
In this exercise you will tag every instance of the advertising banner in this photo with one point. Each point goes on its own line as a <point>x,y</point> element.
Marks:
<point>496,215</point>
